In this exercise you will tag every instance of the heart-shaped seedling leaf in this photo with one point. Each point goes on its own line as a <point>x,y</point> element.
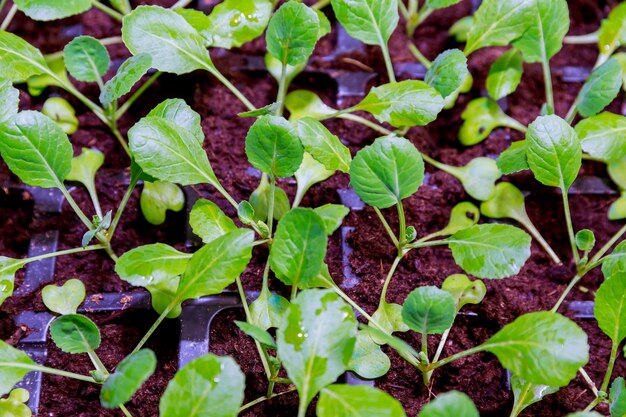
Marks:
<point>129,376</point>
<point>609,308</point>
<point>371,22</point>
<point>74,333</point>
<point>429,310</point>
<point>257,333</point>
<point>323,146</point>
<point>387,171</point>
<point>448,72</point>
<point>62,112</point>
<point>490,250</point>
<point>602,136</point>
<point>211,385</point>
<point>273,146</point>
<point>357,400</point>
<point>368,360</point>
<point>308,174</point>
<point>159,197</point>
<point>462,216</point>
<point>463,290</point>
<point>505,74</point>
<point>85,166</point>
<point>86,59</point>
<point>448,404</point>
<point>64,299</point>
<point>268,309</point>
<point>315,341</point>
<point>208,221</point>
<point>600,89</point>
<point>542,348</point>
<point>526,394</point>
<point>403,104</point>
<point>617,397</point>
<point>332,215</point>
<point>15,405</point>
<point>480,117</point>
<point>52,10</point>
<point>8,268</point>
<point>478,177</point>
<point>303,103</point>
<point>388,316</point>
<point>260,199</point>
<point>14,365</point>
<point>127,75</point>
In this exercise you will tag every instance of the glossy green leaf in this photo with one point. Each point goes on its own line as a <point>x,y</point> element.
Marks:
<point>325,147</point>
<point>8,268</point>
<point>180,113</point>
<point>460,29</point>
<point>272,145</point>
<point>51,9</point>
<point>159,197</point>
<point>548,25</point>
<point>85,166</point>
<point>368,360</point>
<point>617,398</point>
<point>299,247</point>
<point>15,405</point>
<point>130,374</point>
<point>524,397</point>
<point>315,341</point>
<point>389,317</point>
<point>370,21</point>
<point>64,299</point>
<point>260,198</point>
<point>257,333</point>
<point>505,74</point>
<point>36,149</point>
<point>208,221</point>
<point>127,75</point>
<point>462,216</point>
<point>441,4</point>
<point>169,152</point>
<point>149,264</point>
<point>429,310</point>
<point>267,310</point>
<point>356,401</point>
<point>600,89</point>
<point>174,45</point>
<point>235,22</point>
<point>463,290</point>
<point>216,265</point>
<point>585,240</point>
<point>62,113</point>
<point>207,386</point>
<point>448,404</point>
<point>615,263</point>
<point>542,348</point>
<point>332,215</point>
<point>603,136</point>
<point>52,75</point>
<point>448,72</point>
<point>617,210</point>
<point>478,177</point>
<point>513,159</point>
<point>9,100</point>
<point>303,103</point>
<point>86,59</point>
<point>403,104</point>
<point>9,373</point>
<point>612,32</point>
<point>19,60</point>
<point>386,172</point>
<point>553,151</point>
<point>74,333</point>
<point>506,202</point>
<point>610,309</point>
<point>292,33</point>
<point>490,250</point>
<point>308,174</point>
<point>481,116</point>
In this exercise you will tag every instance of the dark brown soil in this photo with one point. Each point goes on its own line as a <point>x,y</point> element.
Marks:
<point>536,288</point>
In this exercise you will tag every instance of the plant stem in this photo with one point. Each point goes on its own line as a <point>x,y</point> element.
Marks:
<point>270,205</point>
<point>261,399</point>
<point>320,4</point>
<point>156,324</point>
<point>51,371</point>
<point>588,380</point>
<point>571,113</point>
<point>113,40</point>
<point>593,404</point>
<point>70,200</point>
<point>181,3</point>
<point>125,411</point>
<point>547,78</point>
<point>519,406</point>
<point>128,103</point>
<point>9,17</point>
<point>392,235</point>
<point>64,252</point>
<point>211,68</point>
<point>106,9</point>
<point>604,249</point>
<point>388,63</point>
<point>282,90</point>
<point>452,358</point>
<point>589,38</point>
<point>122,206</point>
<point>383,295</point>
<point>535,233</point>
<point>94,200</point>
<point>570,227</point>
<point>2,4</point>
<point>365,122</point>
<point>402,223</point>
<point>418,55</point>
<point>609,369</point>
<point>569,288</point>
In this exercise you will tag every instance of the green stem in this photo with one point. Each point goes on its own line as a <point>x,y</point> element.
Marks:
<point>270,205</point>
<point>418,55</point>
<point>111,12</point>
<point>452,358</point>
<point>570,227</point>
<point>383,295</point>
<point>95,200</point>
<point>64,252</point>
<point>571,113</point>
<point>122,206</point>
<point>588,380</point>
<point>609,369</point>
<point>215,72</point>
<point>535,233</point>
<point>587,39</point>
<point>565,293</point>
<point>156,324</point>
<point>365,122</point>
<point>2,4</point>
<point>51,371</point>
<point>128,103</point>
<point>282,90</point>
<point>402,224</point>
<point>519,405</point>
<point>608,245</point>
<point>508,121</point>
<point>181,3</point>
<point>388,63</point>
<point>320,4</point>
<point>70,200</point>
<point>113,40</point>
<point>125,411</point>
<point>593,404</point>
<point>547,77</point>
<point>261,399</point>
<point>118,135</point>
<point>9,17</point>
<point>392,235</point>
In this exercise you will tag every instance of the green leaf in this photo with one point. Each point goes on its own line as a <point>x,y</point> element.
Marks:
<point>174,45</point>
<point>207,386</point>
<point>292,33</point>
<point>513,159</point>
<point>524,398</point>
<point>36,149</point>
<point>403,104</point>
<point>260,199</point>
<point>216,265</point>
<point>169,152</point>
<point>387,171</point>
<point>506,202</point>
<point>368,360</point>
<point>615,263</point>
<point>86,59</point>
<point>462,216</point>
<point>478,177</point>
<point>617,172</point>
<point>548,26</point>
<point>179,112</point>
<point>235,22</point>
<point>613,30</point>
<point>490,250</point>
<point>315,341</point>
<point>617,398</point>
<point>9,100</point>
<point>332,215</point>
<point>389,317</point>
<point>127,75</point>
<point>10,374</point>
<point>64,299</point>
<point>310,173</point>
<point>62,112</point>
<point>481,116</point>
<point>52,75</point>
<point>448,404</point>
<point>357,400</point>
<point>585,240</point>
<point>448,72</point>
<point>275,68</point>
<point>429,310</point>
<point>74,333</point>
<point>130,374</point>
<point>52,10</point>
<point>554,152</point>
<point>497,23</point>
<point>159,197</point>
<point>610,309</point>
<point>85,166</point>
<point>268,309</point>
<point>463,290</point>
<point>403,348</point>
<point>15,405</point>
<point>261,111</point>
<point>19,60</point>
<point>325,147</point>
<point>297,254</point>
<point>8,268</point>
<point>460,29</point>
<point>257,333</point>
<point>617,211</point>
<point>600,89</point>
<point>603,136</point>
<point>542,348</point>
<point>370,21</point>
<point>272,146</point>
<point>302,103</point>
<point>208,221</point>
<point>505,74</point>
<point>440,4</point>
